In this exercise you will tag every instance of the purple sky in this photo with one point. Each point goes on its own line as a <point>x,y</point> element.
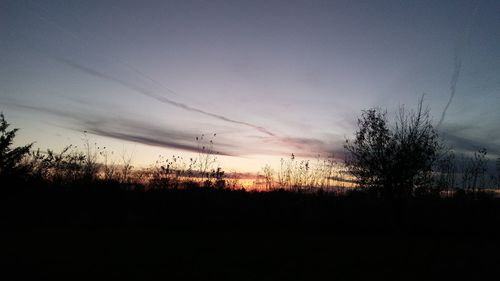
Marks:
<point>270,78</point>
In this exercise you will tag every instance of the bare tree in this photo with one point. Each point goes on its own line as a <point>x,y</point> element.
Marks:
<point>126,166</point>
<point>446,172</point>
<point>473,172</point>
<point>497,164</point>
<point>268,174</point>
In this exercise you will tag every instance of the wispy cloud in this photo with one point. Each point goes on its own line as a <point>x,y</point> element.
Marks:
<point>453,86</point>
<point>299,145</point>
<point>462,139</point>
<point>146,132</point>
<point>304,147</point>
<point>131,130</point>
<point>157,97</point>
<point>457,60</point>
<point>160,141</point>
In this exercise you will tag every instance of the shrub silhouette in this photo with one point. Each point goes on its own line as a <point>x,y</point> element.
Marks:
<point>395,160</point>
<point>66,167</point>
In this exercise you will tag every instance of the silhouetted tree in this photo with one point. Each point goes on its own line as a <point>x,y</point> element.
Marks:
<point>446,172</point>
<point>397,159</point>
<point>474,169</point>
<point>10,158</point>
<point>497,164</point>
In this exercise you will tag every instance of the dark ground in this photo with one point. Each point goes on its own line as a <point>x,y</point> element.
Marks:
<point>89,233</point>
<point>149,254</point>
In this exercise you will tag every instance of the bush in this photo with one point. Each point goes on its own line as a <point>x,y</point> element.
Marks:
<point>395,160</point>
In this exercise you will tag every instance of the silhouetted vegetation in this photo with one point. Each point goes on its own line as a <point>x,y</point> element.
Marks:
<point>387,160</point>
<point>303,175</point>
<point>396,159</point>
<point>184,206</point>
<point>11,165</point>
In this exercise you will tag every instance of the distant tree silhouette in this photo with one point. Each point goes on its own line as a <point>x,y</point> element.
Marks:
<point>497,164</point>
<point>446,171</point>
<point>10,158</point>
<point>395,159</point>
<point>473,171</point>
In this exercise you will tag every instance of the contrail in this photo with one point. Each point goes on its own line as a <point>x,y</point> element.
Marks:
<point>85,44</point>
<point>457,61</point>
<point>136,88</point>
<point>162,99</point>
<point>453,85</point>
<point>143,75</point>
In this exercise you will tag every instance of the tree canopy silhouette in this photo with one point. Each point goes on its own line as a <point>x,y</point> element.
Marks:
<point>10,158</point>
<point>395,159</point>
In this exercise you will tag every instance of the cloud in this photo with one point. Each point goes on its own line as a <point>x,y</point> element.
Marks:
<point>145,133</point>
<point>457,60</point>
<point>148,133</point>
<point>302,143</point>
<point>52,111</point>
<point>131,130</point>
<point>159,98</point>
<point>298,145</point>
<point>462,138</point>
<point>453,85</point>
<point>163,141</point>
<point>303,147</point>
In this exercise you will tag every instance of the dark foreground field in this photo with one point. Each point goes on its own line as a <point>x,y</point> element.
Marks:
<point>152,254</point>
<point>88,233</point>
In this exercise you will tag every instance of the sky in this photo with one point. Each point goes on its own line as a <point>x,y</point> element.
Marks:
<point>261,79</point>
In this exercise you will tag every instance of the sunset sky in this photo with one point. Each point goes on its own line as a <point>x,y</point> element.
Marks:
<point>269,78</point>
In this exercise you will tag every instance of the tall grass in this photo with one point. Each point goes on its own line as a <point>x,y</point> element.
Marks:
<point>304,175</point>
